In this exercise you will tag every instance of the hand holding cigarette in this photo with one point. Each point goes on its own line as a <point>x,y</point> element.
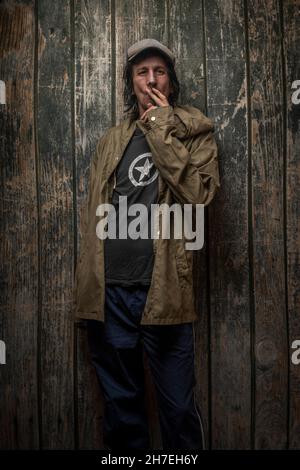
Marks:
<point>157,97</point>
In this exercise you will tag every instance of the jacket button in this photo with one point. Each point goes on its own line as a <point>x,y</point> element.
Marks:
<point>152,118</point>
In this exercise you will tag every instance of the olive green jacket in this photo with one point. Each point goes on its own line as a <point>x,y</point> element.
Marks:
<point>185,153</point>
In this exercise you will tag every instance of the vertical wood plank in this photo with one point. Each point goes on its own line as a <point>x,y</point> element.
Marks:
<point>271,352</point>
<point>93,117</point>
<point>136,20</point>
<point>19,427</point>
<point>228,228</point>
<point>186,41</point>
<point>291,23</point>
<point>57,232</point>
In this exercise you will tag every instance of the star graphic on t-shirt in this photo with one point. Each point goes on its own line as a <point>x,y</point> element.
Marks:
<point>146,172</point>
<point>145,169</point>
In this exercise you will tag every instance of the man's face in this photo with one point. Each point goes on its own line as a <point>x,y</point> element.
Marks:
<point>151,71</point>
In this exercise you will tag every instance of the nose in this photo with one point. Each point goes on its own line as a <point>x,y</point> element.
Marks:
<point>151,79</point>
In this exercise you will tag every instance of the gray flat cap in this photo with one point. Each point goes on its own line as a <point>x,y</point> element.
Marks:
<point>140,46</point>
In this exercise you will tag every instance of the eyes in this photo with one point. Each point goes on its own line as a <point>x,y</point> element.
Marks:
<point>161,72</point>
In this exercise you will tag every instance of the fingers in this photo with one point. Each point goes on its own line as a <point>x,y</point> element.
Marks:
<point>155,90</point>
<point>157,96</point>
<point>154,95</point>
<point>159,93</point>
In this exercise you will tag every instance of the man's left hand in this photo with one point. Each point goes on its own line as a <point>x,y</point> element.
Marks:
<point>158,97</point>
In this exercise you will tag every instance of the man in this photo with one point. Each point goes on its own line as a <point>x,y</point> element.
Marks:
<point>137,293</point>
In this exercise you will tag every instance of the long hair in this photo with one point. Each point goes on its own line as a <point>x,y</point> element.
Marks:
<point>130,99</point>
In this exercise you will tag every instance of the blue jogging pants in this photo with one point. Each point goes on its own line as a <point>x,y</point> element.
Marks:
<point>116,348</point>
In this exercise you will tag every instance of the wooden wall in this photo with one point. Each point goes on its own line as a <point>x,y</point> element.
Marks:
<point>239,62</point>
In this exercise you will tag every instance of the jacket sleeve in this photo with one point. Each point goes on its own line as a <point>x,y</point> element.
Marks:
<point>193,176</point>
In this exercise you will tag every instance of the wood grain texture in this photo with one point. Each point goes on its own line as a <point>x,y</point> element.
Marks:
<point>19,427</point>
<point>236,61</point>
<point>228,228</point>
<point>291,28</point>
<point>56,226</point>
<point>271,353</point>
<point>187,43</point>
<point>92,35</point>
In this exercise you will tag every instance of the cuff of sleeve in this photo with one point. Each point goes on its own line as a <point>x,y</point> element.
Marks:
<point>159,117</point>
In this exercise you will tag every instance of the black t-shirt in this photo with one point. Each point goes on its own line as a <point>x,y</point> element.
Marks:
<point>130,261</point>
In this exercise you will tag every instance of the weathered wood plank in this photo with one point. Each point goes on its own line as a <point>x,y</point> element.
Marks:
<point>132,24</point>
<point>271,354</point>
<point>291,24</point>
<point>19,428</point>
<point>56,232</point>
<point>186,41</point>
<point>228,228</point>
<point>136,20</point>
<point>93,117</point>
